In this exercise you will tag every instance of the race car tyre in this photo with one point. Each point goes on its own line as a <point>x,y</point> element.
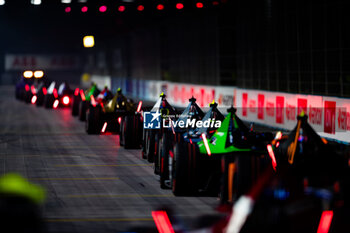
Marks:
<point>75,105</point>
<point>164,162</point>
<point>121,133</point>
<point>149,153</point>
<point>28,98</point>
<point>143,144</point>
<point>82,110</point>
<point>128,132</point>
<point>180,185</point>
<point>48,101</point>
<point>227,179</point>
<point>40,100</point>
<point>93,120</point>
<point>157,144</point>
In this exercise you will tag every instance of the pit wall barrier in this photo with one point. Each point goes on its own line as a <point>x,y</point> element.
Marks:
<point>329,116</point>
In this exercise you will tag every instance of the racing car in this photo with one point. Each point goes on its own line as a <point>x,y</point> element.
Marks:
<point>83,101</point>
<point>104,113</point>
<point>57,96</point>
<point>292,195</point>
<point>310,156</point>
<point>39,94</point>
<point>76,99</point>
<point>24,88</point>
<point>307,192</point>
<point>192,112</point>
<point>201,170</point>
<point>131,128</point>
<point>151,136</point>
<point>188,135</point>
<point>51,94</point>
<point>64,96</point>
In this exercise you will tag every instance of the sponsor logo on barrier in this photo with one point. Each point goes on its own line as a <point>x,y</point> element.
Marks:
<point>315,115</point>
<point>261,102</point>
<point>279,109</point>
<point>290,112</point>
<point>270,109</point>
<point>302,106</point>
<point>252,106</point>
<point>329,117</point>
<point>342,119</point>
<point>244,104</point>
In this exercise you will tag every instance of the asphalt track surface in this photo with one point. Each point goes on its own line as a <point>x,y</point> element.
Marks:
<point>92,184</point>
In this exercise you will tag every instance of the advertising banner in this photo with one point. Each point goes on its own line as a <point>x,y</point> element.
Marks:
<point>180,93</point>
<point>43,62</point>
<point>329,116</point>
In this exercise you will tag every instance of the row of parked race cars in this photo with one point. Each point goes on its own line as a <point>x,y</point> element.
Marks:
<point>283,182</point>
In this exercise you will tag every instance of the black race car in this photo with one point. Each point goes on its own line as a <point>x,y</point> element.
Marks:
<point>105,111</point>
<point>152,136</point>
<point>83,101</point>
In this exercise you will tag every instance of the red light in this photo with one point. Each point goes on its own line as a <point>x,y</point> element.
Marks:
<point>67,9</point>
<point>162,222</point>
<point>121,8</point>
<point>119,120</point>
<point>66,100</point>
<point>93,101</point>
<point>272,156</point>
<point>103,9</point>
<point>84,9</point>
<point>26,87</point>
<point>55,94</point>
<point>199,5</point>
<point>44,91</point>
<point>160,7</point>
<point>76,92</point>
<point>34,98</point>
<point>206,144</point>
<point>104,127</point>
<point>82,95</point>
<point>55,104</point>
<point>139,107</point>
<point>179,6</point>
<point>32,88</point>
<point>215,3</point>
<point>325,222</point>
<point>140,8</point>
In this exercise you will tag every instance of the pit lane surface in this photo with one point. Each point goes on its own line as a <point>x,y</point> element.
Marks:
<point>92,184</point>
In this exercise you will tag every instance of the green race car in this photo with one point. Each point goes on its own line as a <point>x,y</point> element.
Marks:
<point>205,169</point>
<point>192,134</point>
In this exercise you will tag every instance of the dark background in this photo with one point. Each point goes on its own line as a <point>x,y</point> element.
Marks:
<point>298,46</point>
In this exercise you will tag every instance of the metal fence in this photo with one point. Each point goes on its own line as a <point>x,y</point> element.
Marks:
<point>299,46</point>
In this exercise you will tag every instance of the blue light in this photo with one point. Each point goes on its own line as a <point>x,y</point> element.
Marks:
<point>280,194</point>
